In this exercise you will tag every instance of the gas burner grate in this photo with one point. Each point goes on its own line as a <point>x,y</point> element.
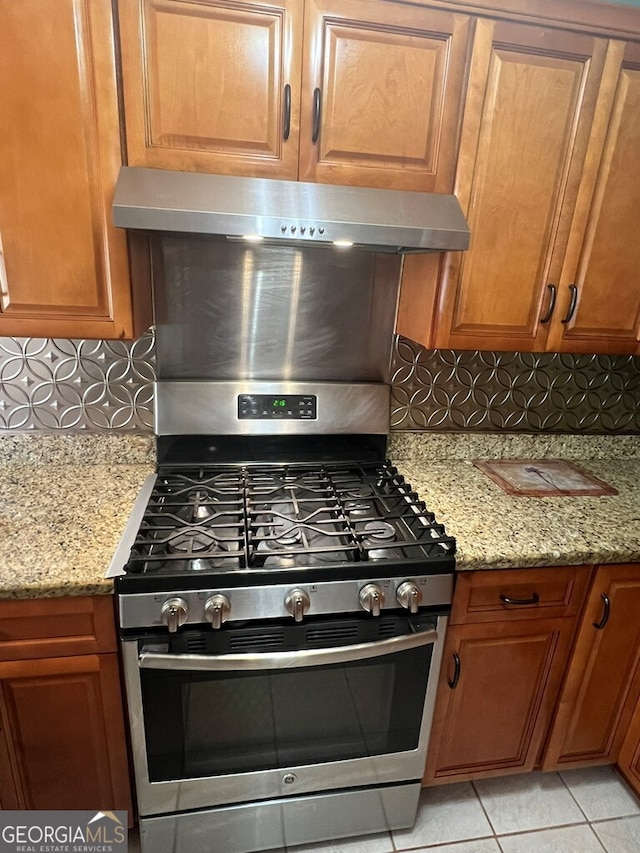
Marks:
<point>232,517</point>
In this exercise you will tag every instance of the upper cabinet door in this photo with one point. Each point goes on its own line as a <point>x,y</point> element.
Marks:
<point>63,266</point>
<point>381,94</point>
<point>601,280</point>
<point>531,101</point>
<point>212,85</point>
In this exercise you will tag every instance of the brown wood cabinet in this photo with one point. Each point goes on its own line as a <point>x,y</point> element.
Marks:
<point>208,84</point>
<point>603,257</point>
<point>532,97</point>
<point>389,81</point>
<point>548,175</point>
<point>629,759</point>
<point>62,736</point>
<point>355,91</point>
<point>63,265</point>
<point>602,686</point>
<point>506,651</point>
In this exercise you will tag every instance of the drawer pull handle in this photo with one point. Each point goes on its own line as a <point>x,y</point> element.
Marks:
<point>535,598</point>
<point>552,303</point>
<point>572,305</point>
<point>605,613</point>
<point>286,130</point>
<point>317,108</point>
<point>456,672</point>
<point>4,284</point>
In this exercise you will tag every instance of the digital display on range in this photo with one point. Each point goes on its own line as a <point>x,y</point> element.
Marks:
<point>301,407</point>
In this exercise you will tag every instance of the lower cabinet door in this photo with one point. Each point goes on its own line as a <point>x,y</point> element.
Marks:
<point>629,760</point>
<point>9,795</point>
<point>64,732</point>
<point>602,686</point>
<point>497,690</point>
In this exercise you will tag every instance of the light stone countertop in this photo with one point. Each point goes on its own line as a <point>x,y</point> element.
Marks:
<point>60,524</point>
<point>496,530</point>
<point>64,502</point>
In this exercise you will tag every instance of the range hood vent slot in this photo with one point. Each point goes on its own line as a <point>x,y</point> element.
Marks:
<point>292,211</point>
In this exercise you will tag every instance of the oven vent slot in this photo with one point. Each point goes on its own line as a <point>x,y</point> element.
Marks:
<point>386,628</point>
<point>196,644</point>
<point>263,642</point>
<point>330,635</point>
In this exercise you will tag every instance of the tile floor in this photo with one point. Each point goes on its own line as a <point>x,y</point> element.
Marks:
<point>576,811</point>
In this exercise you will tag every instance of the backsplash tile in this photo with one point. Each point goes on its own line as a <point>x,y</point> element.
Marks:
<point>520,392</point>
<point>104,386</point>
<point>95,386</point>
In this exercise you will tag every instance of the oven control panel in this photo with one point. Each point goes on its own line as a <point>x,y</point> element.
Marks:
<point>276,407</point>
<point>274,601</point>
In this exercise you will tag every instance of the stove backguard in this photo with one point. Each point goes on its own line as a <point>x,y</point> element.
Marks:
<point>203,407</point>
<point>234,311</point>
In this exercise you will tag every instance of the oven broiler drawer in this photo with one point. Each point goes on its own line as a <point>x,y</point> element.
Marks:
<point>253,827</point>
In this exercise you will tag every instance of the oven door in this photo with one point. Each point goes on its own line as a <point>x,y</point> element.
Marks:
<point>214,729</point>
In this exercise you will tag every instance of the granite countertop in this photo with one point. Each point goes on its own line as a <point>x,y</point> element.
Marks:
<point>496,530</point>
<point>64,502</point>
<point>62,515</point>
<point>60,524</point>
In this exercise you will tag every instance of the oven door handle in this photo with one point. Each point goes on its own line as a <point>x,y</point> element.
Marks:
<point>286,660</point>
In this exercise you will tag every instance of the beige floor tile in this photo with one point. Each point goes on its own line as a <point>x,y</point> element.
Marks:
<point>447,813</point>
<point>601,792</point>
<point>480,845</point>
<point>619,836</point>
<point>531,801</point>
<point>566,839</point>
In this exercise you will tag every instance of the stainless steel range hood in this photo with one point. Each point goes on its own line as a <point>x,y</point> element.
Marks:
<point>290,211</point>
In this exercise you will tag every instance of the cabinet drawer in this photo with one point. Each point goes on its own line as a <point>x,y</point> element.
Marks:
<point>56,627</point>
<point>503,595</point>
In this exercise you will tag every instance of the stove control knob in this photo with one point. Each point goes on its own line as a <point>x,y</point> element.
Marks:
<point>409,596</point>
<point>296,603</point>
<point>371,599</point>
<point>217,609</point>
<point>174,613</point>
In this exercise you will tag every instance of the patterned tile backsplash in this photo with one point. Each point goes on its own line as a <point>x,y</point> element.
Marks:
<point>92,386</point>
<point>528,392</point>
<point>103,386</point>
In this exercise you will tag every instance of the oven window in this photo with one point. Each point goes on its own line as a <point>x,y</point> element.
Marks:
<point>204,724</point>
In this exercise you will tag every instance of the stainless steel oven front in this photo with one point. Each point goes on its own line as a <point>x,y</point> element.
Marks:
<point>241,750</point>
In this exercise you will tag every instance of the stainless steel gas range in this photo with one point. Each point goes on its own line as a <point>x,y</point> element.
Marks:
<point>282,624</point>
<point>283,594</point>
